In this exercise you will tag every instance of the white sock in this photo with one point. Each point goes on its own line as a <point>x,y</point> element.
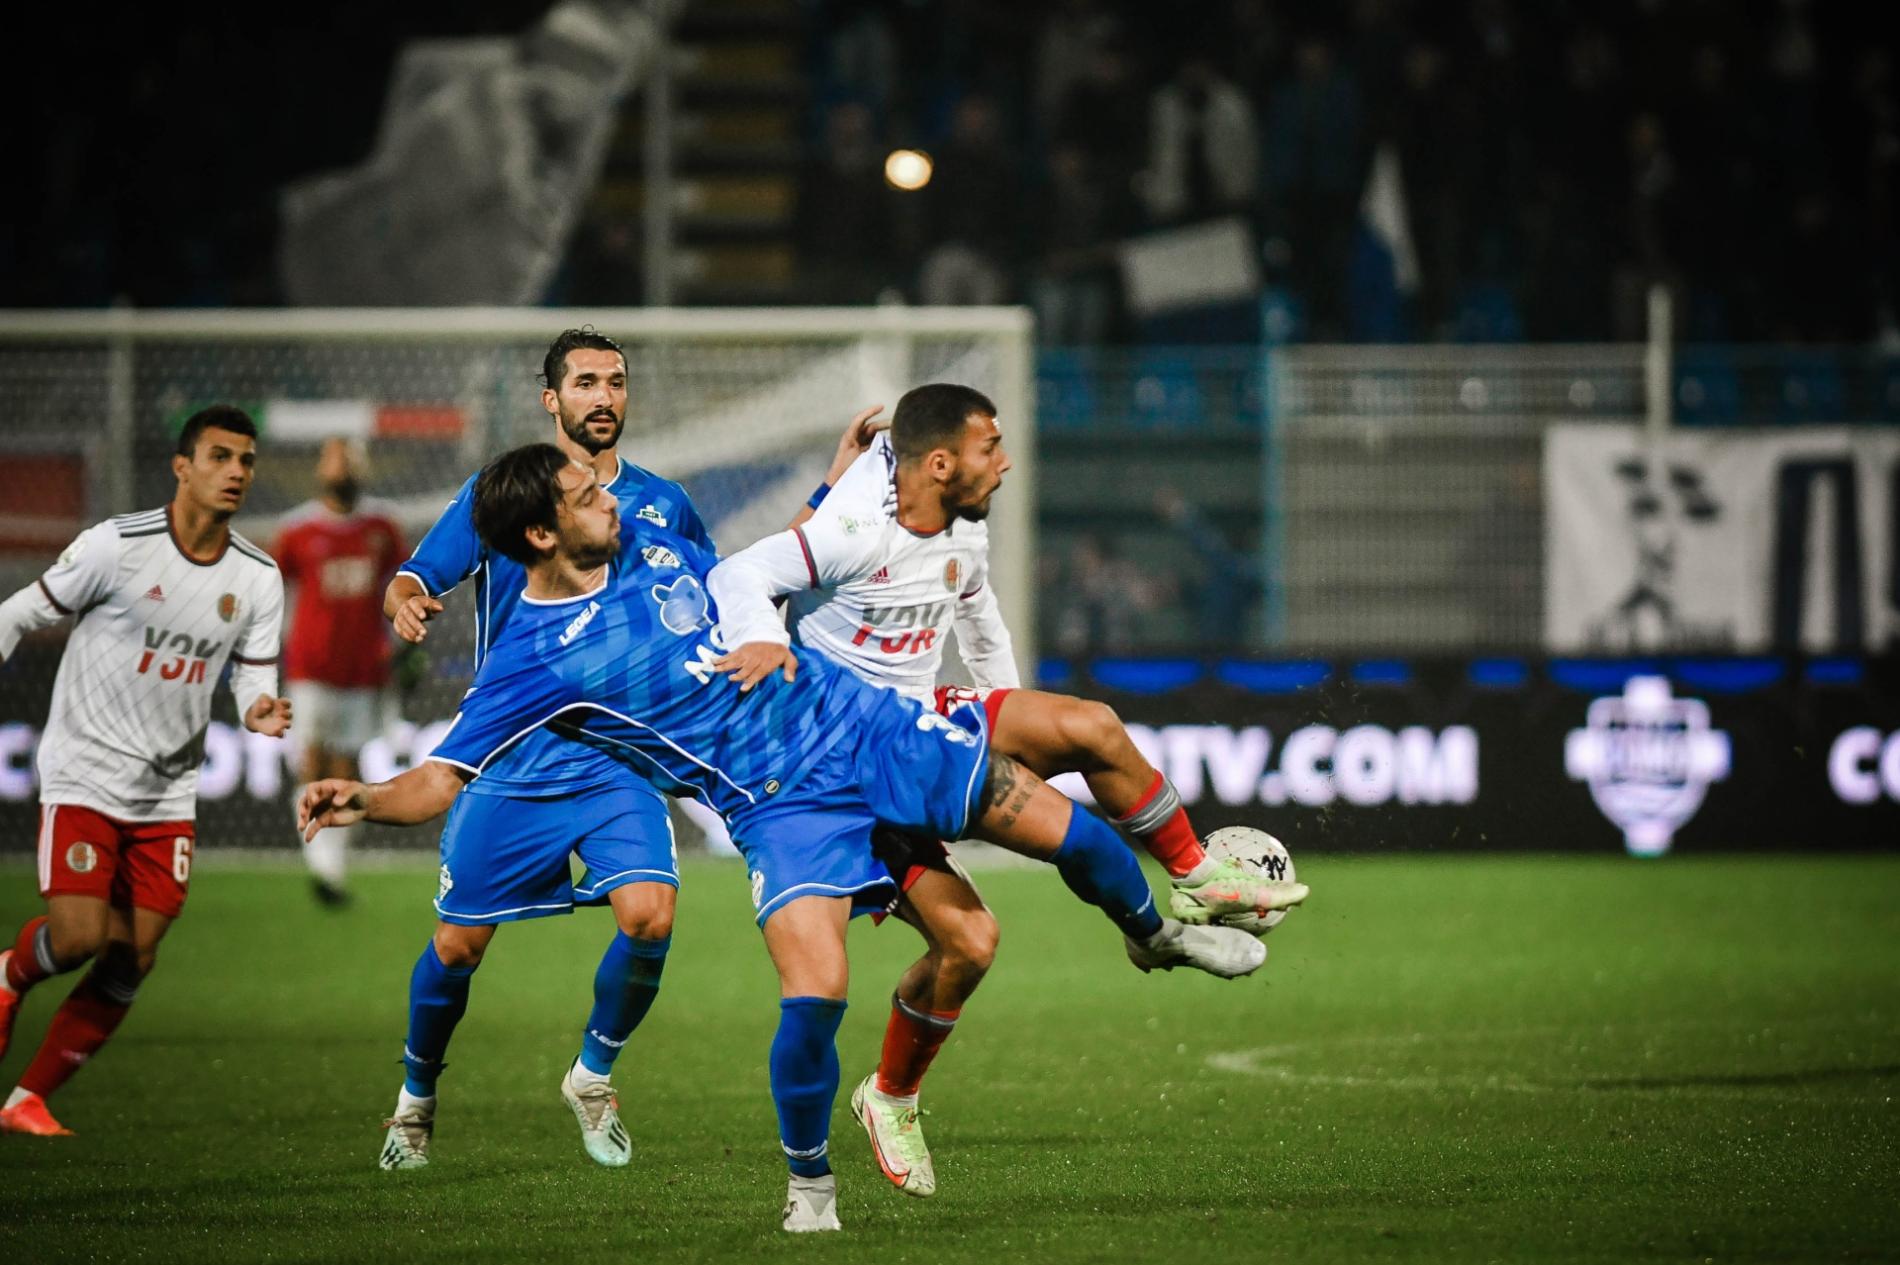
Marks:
<point>17,1097</point>
<point>406,1100</point>
<point>895,1100</point>
<point>1200,873</point>
<point>583,1075</point>
<point>828,1182</point>
<point>327,854</point>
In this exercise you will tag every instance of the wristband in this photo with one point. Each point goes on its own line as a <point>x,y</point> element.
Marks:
<point>818,497</point>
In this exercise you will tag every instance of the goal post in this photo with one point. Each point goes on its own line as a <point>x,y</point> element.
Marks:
<point>742,406</point>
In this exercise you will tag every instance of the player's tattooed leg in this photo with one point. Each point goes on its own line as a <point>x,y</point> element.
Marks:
<point>1008,789</point>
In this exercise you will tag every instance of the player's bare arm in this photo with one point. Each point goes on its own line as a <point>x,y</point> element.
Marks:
<point>408,607</point>
<point>857,437</point>
<point>419,795</point>
<point>756,660</point>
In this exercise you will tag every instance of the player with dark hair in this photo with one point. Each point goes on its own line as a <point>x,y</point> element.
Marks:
<point>339,551</point>
<point>615,648</point>
<point>162,601</point>
<point>895,559</point>
<point>505,847</point>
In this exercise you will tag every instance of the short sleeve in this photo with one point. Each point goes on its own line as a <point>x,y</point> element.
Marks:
<point>500,709</point>
<point>691,525</point>
<point>451,551</point>
<point>85,572</point>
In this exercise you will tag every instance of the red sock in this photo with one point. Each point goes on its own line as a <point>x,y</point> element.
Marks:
<point>1159,821</point>
<point>911,1041</point>
<point>23,968</point>
<point>80,1026</point>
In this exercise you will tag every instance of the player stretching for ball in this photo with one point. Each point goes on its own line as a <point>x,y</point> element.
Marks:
<point>505,846</point>
<point>894,559</point>
<point>614,646</point>
<point>339,551</point>
<point>162,601</point>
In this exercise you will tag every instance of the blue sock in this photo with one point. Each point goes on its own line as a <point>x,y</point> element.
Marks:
<point>1101,869</point>
<point>625,984</point>
<point>437,997</point>
<point>805,1079</point>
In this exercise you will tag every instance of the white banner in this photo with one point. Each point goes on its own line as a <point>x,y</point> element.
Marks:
<point>1744,541</point>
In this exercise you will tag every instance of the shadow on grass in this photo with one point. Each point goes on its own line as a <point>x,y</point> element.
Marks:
<point>1748,1080</point>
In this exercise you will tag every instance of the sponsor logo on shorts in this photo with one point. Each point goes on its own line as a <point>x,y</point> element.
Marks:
<point>81,858</point>
<point>758,887</point>
<point>228,607</point>
<point>771,786</point>
<point>445,884</point>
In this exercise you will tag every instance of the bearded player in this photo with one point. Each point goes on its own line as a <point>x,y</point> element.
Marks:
<point>893,560</point>
<point>162,601</point>
<point>338,551</point>
<point>506,843</point>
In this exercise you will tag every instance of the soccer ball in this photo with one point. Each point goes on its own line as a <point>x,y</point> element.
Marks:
<point>1260,851</point>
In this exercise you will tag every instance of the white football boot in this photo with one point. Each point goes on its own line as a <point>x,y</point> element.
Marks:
<point>1227,952</point>
<point>597,1108</point>
<point>406,1145</point>
<point>811,1203</point>
<point>897,1139</point>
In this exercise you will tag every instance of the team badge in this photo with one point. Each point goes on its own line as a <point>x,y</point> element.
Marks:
<point>683,605</point>
<point>81,858</point>
<point>660,556</point>
<point>951,570</point>
<point>652,515</point>
<point>227,607</point>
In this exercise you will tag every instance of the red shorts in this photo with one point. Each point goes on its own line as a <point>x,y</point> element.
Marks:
<point>949,696</point>
<point>130,864</point>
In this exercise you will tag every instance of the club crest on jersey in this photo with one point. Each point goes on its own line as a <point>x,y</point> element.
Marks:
<point>651,514</point>
<point>683,605</point>
<point>952,572</point>
<point>660,556</point>
<point>81,858</point>
<point>228,607</point>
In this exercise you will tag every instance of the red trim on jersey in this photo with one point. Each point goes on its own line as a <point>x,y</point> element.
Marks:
<point>171,529</point>
<point>64,610</point>
<point>810,566</point>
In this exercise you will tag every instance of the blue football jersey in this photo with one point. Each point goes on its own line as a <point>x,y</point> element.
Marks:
<point>451,552</point>
<point>628,670</point>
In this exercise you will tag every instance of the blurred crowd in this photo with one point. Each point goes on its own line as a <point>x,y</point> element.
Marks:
<point>1543,164</point>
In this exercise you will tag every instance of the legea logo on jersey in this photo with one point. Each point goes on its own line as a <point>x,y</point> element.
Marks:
<point>1649,759</point>
<point>579,623</point>
<point>651,514</point>
<point>683,605</point>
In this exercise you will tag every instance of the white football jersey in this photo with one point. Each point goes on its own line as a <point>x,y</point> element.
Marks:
<point>870,594</point>
<point>153,630</point>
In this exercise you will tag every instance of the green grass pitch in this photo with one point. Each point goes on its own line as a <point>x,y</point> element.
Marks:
<point>1446,1058</point>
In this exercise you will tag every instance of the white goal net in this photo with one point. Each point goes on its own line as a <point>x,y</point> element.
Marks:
<point>743,407</point>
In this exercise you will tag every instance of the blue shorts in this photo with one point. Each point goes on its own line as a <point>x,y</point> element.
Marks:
<point>506,859</point>
<point>905,766</point>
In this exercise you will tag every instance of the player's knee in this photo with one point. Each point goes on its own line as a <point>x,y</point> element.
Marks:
<point>1090,728</point>
<point>971,946</point>
<point>646,924</point>
<point>123,964</point>
<point>74,946</point>
<point>461,948</point>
